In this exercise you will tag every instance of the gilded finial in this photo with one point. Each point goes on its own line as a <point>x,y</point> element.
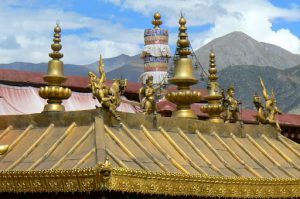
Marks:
<point>56,46</point>
<point>214,107</point>
<point>101,63</point>
<point>183,43</point>
<point>54,92</point>
<point>183,77</point>
<point>212,67</point>
<point>157,22</point>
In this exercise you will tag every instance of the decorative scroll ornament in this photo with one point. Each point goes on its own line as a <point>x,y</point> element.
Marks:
<point>267,114</point>
<point>54,92</point>
<point>108,97</point>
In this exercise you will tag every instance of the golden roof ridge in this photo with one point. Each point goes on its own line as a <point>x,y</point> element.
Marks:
<point>242,162</point>
<point>263,151</point>
<point>4,133</point>
<point>31,148</point>
<point>16,141</point>
<point>212,149</point>
<point>253,157</point>
<point>137,142</point>
<point>281,138</point>
<point>124,148</point>
<point>161,150</point>
<point>53,147</point>
<point>181,152</point>
<point>195,148</point>
<point>115,158</point>
<point>74,147</point>
<point>84,158</point>
<point>281,153</point>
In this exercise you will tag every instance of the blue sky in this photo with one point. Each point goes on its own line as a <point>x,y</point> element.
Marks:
<point>114,27</point>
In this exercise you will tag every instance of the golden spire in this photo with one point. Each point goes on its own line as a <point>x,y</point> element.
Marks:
<point>213,77</point>
<point>183,77</point>
<point>157,22</point>
<point>54,92</point>
<point>56,46</point>
<point>183,43</point>
<point>214,107</point>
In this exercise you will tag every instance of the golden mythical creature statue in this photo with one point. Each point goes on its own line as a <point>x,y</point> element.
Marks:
<point>109,98</point>
<point>231,106</point>
<point>147,96</point>
<point>267,114</point>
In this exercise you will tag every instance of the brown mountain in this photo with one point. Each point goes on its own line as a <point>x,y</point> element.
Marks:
<point>237,48</point>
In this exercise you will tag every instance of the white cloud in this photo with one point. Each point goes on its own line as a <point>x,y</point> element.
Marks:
<point>26,35</point>
<point>26,30</point>
<point>251,17</point>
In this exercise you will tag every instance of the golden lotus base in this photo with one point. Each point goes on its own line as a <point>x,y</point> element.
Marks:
<point>184,113</point>
<point>53,107</point>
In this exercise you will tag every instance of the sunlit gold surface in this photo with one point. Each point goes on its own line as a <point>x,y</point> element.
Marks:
<point>178,157</point>
<point>147,96</point>
<point>54,92</point>
<point>231,106</point>
<point>183,78</point>
<point>214,107</point>
<point>267,114</point>
<point>157,22</point>
<point>3,149</point>
<point>109,98</point>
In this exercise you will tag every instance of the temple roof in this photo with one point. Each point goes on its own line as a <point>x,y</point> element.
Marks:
<point>144,152</point>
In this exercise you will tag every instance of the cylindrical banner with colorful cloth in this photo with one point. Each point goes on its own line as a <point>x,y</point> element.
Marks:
<point>156,53</point>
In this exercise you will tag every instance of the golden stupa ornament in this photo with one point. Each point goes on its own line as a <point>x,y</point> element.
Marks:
<point>54,92</point>
<point>183,77</point>
<point>214,108</point>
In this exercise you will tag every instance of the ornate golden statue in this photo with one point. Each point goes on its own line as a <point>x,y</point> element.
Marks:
<point>267,114</point>
<point>109,98</point>
<point>231,106</point>
<point>147,96</point>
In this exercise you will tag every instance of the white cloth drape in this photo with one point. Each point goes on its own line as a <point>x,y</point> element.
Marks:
<point>15,100</point>
<point>156,50</point>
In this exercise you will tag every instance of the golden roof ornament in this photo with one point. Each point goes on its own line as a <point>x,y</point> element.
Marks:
<point>157,22</point>
<point>108,97</point>
<point>214,108</point>
<point>267,114</point>
<point>183,77</point>
<point>54,92</point>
